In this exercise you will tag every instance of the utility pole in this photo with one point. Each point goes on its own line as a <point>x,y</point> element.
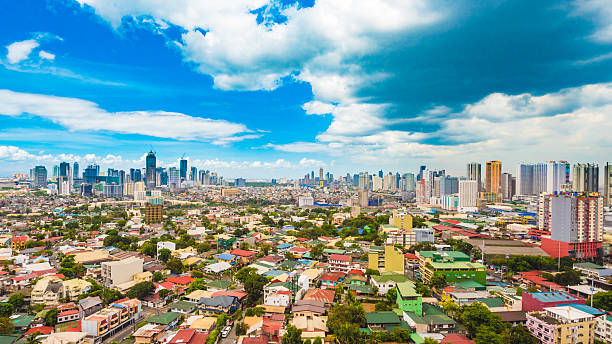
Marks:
<point>559,256</point>
<point>482,253</point>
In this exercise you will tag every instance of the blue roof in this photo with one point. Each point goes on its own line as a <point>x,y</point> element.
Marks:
<point>274,273</point>
<point>287,227</point>
<point>554,296</point>
<point>586,309</point>
<point>226,256</point>
<point>284,245</point>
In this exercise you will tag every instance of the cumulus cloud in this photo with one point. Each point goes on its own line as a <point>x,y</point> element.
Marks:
<point>20,51</point>
<point>316,107</point>
<point>572,124</point>
<point>602,11</point>
<point>81,115</point>
<point>46,55</point>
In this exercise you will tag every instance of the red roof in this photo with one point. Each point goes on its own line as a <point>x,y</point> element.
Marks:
<point>323,295</point>
<point>183,280</point>
<point>41,329</point>
<point>456,339</point>
<point>454,222</point>
<point>237,294</point>
<point>333,276</point>
<point>340,257</point>
<point>355,272</point>
<point>242,253</point>
<point>261,339</point>
<point>20,238</point>
<point>70,312</point>
<point>300,249</point>
<point>167,285</point>
<point>410,256</point>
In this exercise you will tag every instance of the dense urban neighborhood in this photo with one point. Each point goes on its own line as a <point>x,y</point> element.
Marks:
<point>319,260</point>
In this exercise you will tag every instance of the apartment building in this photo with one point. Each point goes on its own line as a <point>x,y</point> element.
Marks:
<point>121,271</point>
<point>561,325</point>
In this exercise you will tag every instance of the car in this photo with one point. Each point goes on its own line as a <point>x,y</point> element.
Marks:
<point>224,334</point>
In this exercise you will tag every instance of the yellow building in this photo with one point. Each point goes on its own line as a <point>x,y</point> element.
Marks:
<point>403,221</point>
<point>75,287</point>
<point>229,192</point>
<point>562,325</point>
<point>493,177</point>
<point>145,276</point>
<point>384,259</point>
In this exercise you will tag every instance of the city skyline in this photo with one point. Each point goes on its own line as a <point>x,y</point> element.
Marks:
<point>262,89</point>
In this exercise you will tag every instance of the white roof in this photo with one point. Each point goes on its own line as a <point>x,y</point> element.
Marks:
<point>219,267</point>
<point>568,313</point>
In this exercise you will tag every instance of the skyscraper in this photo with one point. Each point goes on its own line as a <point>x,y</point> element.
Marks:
<point>64,179</point>
<point>75,170</point>
<point>90,174</point>
<point>585,177</point>
<point>474,173</point>
<point>183,169</point>
<point>150,164</point>
<point>508,185</point>
<point>448,185</point>
<point>194,173</point>
<point>321,180</point>
<point>524,180</point>
<point>40,176</point>
<point>558,176</point>
<point>174,177</point>
<point>493,183</point>
<point>608,184</point>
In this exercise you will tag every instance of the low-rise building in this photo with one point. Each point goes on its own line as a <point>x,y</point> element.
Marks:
<point>453,265</point>
<point>561,325</point>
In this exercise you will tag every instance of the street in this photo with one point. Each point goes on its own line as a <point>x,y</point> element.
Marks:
<point>128,330</point>
<point>231,338</point>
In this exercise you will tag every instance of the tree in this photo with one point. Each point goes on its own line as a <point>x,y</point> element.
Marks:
<point>141,290</point>
<point>317,251</point>
<point>175,266</point>
<point>430,341</point>
<point>253,284</point>
<point>158,276</point>
<point>33,338</point>
<point>317,340</point>
<point>391,296</point>
<point>488,335</point>
<point>476,315</point>
<point>17,300</point>
<point>519,335</point>
<point>163,294</point>
<point>292,336</point>
<point>164,254</point>
<point>601,300</point>
<point>51,317</point>
<point>6,325</point>
<point>149,248</point>
<point>519,291</point>
<point>438,281</point>
<point>240,329</point>
<point>6,309</point>
<point>372,272</point>
<point>197,284</point>
<point>349,334</point>
<point>570,277</point>
<point>450,307</point>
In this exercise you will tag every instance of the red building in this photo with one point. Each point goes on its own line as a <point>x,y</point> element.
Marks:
<point>539,301</point>
<point>556,248</point>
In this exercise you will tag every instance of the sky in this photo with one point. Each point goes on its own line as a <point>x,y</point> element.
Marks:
<point>277,88</point>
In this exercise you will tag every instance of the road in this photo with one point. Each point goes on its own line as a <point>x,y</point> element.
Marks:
<point>231,338</point>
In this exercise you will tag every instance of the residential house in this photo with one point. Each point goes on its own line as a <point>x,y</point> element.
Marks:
<point>218,304</point>
<point>312,326</point>
<point>387,281</point>
<point>169,319</point>
<point>561,325</point>
<point>408,300</point>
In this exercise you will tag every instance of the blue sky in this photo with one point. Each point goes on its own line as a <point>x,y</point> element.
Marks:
<point>260,88</point>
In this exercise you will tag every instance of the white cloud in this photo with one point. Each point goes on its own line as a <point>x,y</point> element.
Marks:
<point>305,162</point>
<point>13,153</point>
<point>321,45</point>
<point>601,11</point>
<point>316,107</point>
<point>46,55</point>
<point>77,114</point>
<point>19,51</point>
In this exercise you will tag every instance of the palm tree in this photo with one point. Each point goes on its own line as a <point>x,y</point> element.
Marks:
<point>33,339</point>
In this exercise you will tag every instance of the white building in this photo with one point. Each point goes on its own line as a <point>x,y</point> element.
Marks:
<point>305,201</point>
<point>557,176</point>
<point>468,196</point>
<point>168,245</point>
<point>121,271</point>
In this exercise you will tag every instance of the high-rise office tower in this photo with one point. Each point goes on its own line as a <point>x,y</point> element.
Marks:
<point>468,196</point>
<point>448,185</point>
<point>364,181</point>
<point>474,173</point>
<point>174,177</point>
<point>558,176</point>
<point>194,173</point>
<point>585,177</point>
<point>508,185</point>
<point>150,164</point>
<point>90,174</point>
<point>608,184</point>
<point>40,176</point>
<point>493,183</point>
<point>575,223</point>
<point>410,182</point>
<point>75,170</point>
<point>183,169</point>
<point>524,180</point>
<point>65,179</point>
<point>539,178</point>
<point>55,172</point>
<point>420,175</point>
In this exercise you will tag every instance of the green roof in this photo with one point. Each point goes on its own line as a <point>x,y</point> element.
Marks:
<point>456,265</point>
<point>8,339</point>
<point>334,251</point>
<point>416,338</point>
<point>164,319</point>
<point>219,284</point>
<point>183,305</point>
<point>387,317</point>
<point>23,320</point>
<point>589,265</point>
<point>445,255</point>
<point>389,276</point>
<point>407,289</point>
<point>470,284</point>
<point>432,315</point>
<point>492,301</point>
<point>362,289</point>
